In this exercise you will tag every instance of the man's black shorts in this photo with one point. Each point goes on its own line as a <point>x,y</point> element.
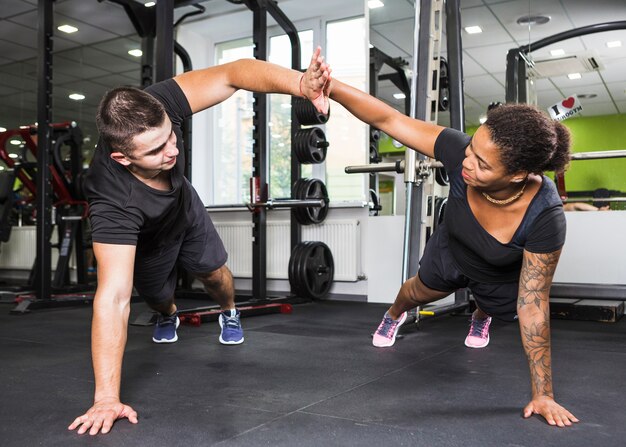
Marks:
<point>200,250</point>
<point>438,271</point>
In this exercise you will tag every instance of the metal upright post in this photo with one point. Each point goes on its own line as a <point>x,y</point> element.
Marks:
<point>419,87</point>
<point>147,61</point>
<point>44,131</point>
<point>455,82</point>
<point>165,40</point>
<point>455,64</point>
<point>259,158</point>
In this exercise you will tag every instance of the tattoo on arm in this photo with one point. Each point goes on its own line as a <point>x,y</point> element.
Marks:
<point>536,277</point>
<point>536,340</point>
<point>534,312</point>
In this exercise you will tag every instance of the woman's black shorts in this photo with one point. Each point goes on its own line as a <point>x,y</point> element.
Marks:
<point>438,271</point>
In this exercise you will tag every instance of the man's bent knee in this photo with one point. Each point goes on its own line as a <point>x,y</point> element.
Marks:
<point>216,277</point>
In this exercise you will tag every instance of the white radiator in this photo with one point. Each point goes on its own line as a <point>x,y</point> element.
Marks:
<point>342,237</point>
<point>20,251</point>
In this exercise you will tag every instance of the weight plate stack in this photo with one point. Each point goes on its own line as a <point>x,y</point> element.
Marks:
<point>311,270</point>
<point>310,145</point>
<point>307,114</point>
<point>311,188</point>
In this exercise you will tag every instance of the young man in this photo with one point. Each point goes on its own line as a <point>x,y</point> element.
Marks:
<point>147,218</point>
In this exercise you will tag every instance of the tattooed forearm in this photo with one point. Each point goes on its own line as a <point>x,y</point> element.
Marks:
<point>533,309</point>
<point>536,277</point>
<point>536,340</point>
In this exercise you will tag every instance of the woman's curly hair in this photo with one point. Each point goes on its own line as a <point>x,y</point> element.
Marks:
<point>528,139</point>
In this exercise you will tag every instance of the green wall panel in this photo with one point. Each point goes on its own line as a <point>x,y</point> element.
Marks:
<point>597,133</point>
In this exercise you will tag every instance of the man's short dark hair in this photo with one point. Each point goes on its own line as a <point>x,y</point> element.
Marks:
<point>126,112</point>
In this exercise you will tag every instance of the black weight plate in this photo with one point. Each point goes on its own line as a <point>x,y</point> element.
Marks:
<point>299,145</point>
<point>294,268</point>
<point>318,270</point>
<point>306,113</point>
<point>316,189</point>
<point>299,192</point>
<point>316,146</point>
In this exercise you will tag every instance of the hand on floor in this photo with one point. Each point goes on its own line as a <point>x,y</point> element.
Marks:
<point>102,415</point>
<point>552,412</point>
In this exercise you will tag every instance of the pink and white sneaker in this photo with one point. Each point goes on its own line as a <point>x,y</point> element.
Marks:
<point>478,336</point>
<point>385,335</point>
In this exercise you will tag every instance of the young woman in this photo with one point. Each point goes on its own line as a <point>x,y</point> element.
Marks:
<point>504,226</point>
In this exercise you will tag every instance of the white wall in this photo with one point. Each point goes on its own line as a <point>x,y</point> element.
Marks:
<point>595,248</point>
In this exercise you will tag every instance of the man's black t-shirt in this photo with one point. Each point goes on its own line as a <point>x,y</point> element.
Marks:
<point>123,210</point>
<point>480,256</point>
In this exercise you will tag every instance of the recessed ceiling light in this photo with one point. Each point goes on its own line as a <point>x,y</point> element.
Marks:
<point>69,29</point>
<point>558,52</point>
<point>473,29</point>
<point>77,96</point>
<point>532,20</point>
<point>150,4</point>
<point>3,129</point>
<point>399,95</point>
<point>136,52</point>
<point>13,156</point>
<point>15,142</point>
<point>587,95</point>
<point>614,44</point>
<point>574,76</point>
<point>373,4</point>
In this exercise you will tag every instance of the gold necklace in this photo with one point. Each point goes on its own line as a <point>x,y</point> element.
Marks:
<point>510,199</point>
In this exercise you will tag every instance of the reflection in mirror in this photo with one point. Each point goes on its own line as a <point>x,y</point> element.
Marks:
<point>391,61</point>
<point>100,53</point>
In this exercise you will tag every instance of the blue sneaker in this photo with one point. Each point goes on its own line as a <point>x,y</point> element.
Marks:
<point>165,329</point>
<point>232,332</point>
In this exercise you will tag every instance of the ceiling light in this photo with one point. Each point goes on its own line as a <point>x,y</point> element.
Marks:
<point>3,129</point>
<point>532,20</point>
<point>587,95</point>
<point>373,4</point>
<point>473,29</point>
<point>69,29</point>
<point>15,142</point>
<point>573,76</point>
<point>614,44</point>
<point>13,156</point>
<point>77,96</point>
<point>558,52</point>
<point>136,52</point>
<point>150,4</point>
<point>399,95</point>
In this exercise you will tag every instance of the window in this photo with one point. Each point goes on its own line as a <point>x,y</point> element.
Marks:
<point>347,136</point>
<point>232,140</point>
<point>280,116</point>
<point>232,137</point>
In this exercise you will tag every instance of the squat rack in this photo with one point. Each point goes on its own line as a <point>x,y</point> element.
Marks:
<point>426,65</point>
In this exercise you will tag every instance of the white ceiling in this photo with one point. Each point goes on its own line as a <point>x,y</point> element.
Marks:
<point>95,59</point>
<point>484,55</point>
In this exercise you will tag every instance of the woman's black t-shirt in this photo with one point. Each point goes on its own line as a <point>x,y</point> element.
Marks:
<point>123,210</point>
<point>480,256</point>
